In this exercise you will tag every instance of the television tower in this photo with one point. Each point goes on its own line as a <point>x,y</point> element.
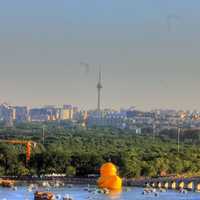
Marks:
<point>99,87</point>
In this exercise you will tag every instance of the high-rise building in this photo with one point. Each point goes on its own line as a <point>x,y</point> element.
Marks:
<point>21,114</point>
<point>67,112</point>
<point>39,115</point>
<point>7,114</point>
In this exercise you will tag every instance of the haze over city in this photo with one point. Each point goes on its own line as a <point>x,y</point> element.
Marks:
<point>99,99</point>
<point>50,53</point>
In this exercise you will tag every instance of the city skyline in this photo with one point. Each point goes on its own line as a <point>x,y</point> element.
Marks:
<point>131,118</point>
<point>148,50</point>
<point>82,108</point>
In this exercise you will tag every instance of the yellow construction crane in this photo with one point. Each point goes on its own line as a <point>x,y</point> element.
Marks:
<point>28,145</point>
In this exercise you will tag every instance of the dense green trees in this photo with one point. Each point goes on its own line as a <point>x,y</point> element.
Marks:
<point>70,171</point>
<point>76,151</point>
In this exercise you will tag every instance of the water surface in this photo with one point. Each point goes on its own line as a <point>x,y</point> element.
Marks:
<point>78,193</point>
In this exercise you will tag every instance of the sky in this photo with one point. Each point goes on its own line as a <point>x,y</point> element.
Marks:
<point>50,52</point>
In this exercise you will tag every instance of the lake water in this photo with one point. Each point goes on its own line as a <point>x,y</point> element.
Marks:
<point>78,193</point>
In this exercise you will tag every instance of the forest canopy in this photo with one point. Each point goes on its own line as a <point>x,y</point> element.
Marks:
<point>79,152</point>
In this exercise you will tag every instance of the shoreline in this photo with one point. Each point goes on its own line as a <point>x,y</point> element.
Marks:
<point>65,180</point>
<point>155,182</point>
<point>92,179</point>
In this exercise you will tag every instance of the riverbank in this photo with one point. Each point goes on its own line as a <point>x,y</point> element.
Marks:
<point>165,182</point>
<point>65,180</point>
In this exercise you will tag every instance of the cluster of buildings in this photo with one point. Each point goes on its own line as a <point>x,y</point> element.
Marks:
<point>131,119</point>
<point>22,114</point>
<point>145,121</point>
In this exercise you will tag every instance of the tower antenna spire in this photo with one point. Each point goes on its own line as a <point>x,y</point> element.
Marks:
<point>99,73</point>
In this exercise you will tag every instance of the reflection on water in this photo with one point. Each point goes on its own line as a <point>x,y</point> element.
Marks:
<point>78,193</point>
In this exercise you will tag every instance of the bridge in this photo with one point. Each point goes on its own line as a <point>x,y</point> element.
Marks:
<point>192,184</point>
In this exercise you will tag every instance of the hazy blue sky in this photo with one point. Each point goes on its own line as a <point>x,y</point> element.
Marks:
<point>149,51</point>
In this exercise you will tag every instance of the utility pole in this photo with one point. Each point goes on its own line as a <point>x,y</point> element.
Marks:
<point>154,130</point>
<point>178,139</point>
<point>154,126</point>
<point>43,134</point>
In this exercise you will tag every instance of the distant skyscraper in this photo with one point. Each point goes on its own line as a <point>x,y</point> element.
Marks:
<point>99,87</point>
<point>6,114</point>
<point>21,114</point>
<point>67,112</point>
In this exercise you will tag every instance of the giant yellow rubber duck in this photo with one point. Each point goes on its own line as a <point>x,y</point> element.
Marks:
<point>109,178</point>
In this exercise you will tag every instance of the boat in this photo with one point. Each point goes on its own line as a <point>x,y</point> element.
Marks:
<point>67,197</point>
<point>44,196</point>
<point>7,183</point>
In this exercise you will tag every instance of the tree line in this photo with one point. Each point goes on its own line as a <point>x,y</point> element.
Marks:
<point>75,151</point>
